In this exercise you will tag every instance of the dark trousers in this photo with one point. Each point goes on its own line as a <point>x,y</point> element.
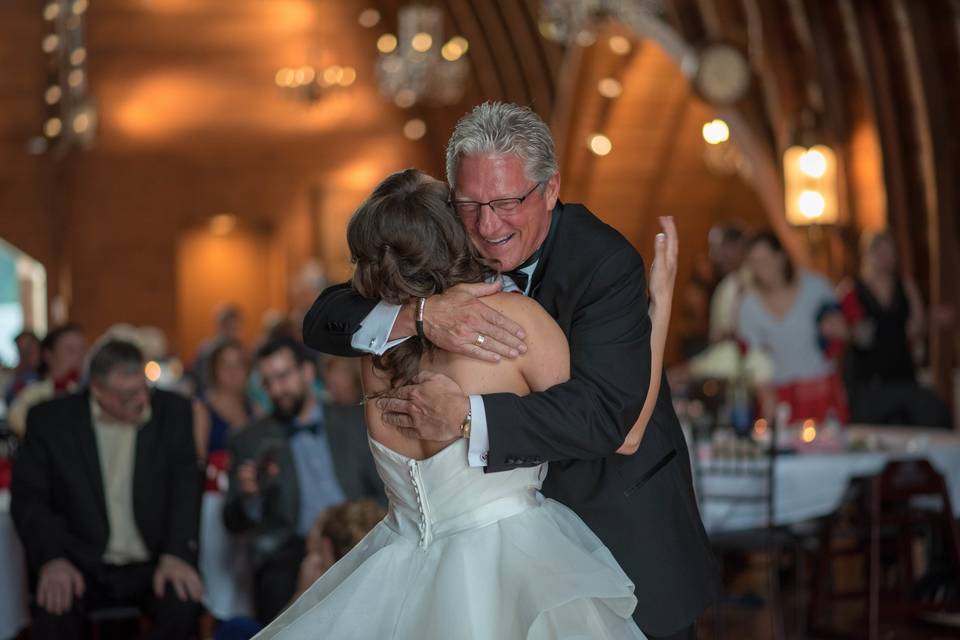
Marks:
<point>275,580</point>
<point>897,402</point>
<point>120,586</point>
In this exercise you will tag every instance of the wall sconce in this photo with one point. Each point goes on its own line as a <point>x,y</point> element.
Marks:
<point>810,185</point>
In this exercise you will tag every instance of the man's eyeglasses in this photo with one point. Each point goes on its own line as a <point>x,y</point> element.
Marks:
<point>469,208</point>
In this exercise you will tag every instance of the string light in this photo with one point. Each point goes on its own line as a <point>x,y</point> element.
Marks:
<point>600,144</point>
<point>52,95</point>
<point>53,127</point>
<point>421,42</point>
<point>387,43</point>
<point>716,131</point>
<point>619,45</point>
<point>50,43</point>
<point>610,88</point>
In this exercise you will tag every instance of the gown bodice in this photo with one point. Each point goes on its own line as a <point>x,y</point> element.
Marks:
<point>441,495</point>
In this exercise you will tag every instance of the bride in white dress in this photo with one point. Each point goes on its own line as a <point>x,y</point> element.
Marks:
<point>461,554</point>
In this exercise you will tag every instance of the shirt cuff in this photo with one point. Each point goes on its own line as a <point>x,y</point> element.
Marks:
<point>479,438</point>
<point>373,336</point>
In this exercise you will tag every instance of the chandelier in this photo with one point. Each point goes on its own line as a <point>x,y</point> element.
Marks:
<point>310,84</point>
<point>71,116</point>
<point>414,67</point>
<point>573,21</point>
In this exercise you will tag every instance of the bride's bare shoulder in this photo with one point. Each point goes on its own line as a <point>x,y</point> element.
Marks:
<point>539,325</point>
<point>516,306</point>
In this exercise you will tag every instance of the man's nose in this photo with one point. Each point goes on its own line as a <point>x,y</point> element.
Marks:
<point>487,221</point>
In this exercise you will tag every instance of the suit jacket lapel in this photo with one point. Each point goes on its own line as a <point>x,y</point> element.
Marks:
<point>555,221</point>
<point>86,441</point>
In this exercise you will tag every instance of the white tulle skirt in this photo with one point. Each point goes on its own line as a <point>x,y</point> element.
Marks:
<point>540,574</point>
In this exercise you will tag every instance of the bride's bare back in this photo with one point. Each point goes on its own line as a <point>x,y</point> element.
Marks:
<point>546,363</point>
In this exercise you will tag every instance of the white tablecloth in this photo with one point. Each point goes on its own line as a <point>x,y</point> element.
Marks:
<point>812,485</point>
<point>14,611</point>
<point>224,564</point>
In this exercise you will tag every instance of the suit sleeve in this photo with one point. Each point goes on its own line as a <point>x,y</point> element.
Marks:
<point>588,416</point>
<point>42,530</point>
<point>185,483</point>
<point>333,319</point>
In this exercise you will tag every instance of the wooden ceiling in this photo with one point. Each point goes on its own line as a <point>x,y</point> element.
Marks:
<point>188,106</point>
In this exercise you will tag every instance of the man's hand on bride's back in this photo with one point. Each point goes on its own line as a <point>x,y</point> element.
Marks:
<point>431,407</point>
<point>458,321</point>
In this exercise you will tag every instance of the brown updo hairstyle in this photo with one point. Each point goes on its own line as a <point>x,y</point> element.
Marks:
<point>406,242</point>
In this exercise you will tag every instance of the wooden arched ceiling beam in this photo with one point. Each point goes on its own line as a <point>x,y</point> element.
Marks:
<point>938,168</point>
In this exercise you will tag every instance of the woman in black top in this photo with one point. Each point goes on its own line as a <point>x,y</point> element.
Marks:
<point>887,316</point>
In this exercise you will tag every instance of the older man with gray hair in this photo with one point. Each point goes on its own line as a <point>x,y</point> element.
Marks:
<point>505,184</point>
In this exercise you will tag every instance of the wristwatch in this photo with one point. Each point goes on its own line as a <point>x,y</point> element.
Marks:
<point>466,424</point>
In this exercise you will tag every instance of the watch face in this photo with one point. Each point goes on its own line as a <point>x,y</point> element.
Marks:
<point>723,75</point>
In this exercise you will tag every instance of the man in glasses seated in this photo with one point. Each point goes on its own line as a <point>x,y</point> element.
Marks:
<point>105,498</point>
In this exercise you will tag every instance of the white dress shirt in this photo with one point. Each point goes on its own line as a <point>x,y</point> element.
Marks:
<point>374,337</point>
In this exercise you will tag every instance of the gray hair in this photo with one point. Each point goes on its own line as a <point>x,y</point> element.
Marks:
<point>503,128</point>
<point>113,354</point>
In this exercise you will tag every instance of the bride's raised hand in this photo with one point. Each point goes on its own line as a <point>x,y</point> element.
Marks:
<point>663,271</point>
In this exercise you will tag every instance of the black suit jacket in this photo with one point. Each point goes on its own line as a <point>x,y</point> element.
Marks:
<point>353,465</point>
<point>593,282</point>
<point>58,503</point>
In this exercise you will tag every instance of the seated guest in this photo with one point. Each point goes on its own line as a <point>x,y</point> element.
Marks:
<point>287,468</point>
<point>793,316</point>
<point>28,364</point>
<point>63,350</point>
<point>336,531</point>
<point>224,407</point>
<point>886,316</point>
<point>105,498</point>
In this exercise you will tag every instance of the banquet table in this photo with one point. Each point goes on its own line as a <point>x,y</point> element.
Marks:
<point>14,611</point>
<point>811,485</point>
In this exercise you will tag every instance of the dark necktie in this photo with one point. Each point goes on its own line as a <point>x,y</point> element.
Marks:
<point>520,277</point>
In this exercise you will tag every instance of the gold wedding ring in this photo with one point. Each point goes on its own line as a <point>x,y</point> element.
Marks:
<point>480,339</point>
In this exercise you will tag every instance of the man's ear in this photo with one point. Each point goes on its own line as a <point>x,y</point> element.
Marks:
<point>551,191</point>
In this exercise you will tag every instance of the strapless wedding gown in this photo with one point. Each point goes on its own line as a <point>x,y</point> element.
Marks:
<point>466,555</point>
